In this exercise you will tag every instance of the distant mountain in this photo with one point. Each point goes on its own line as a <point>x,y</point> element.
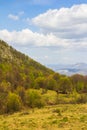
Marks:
<point>70,69</point>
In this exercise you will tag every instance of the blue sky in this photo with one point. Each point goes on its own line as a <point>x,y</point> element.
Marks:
<point>50,31</point>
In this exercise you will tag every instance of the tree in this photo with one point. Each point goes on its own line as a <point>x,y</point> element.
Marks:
<point>5,87</point>
<point>33,99</point>
<point>50,83</point>
<point>13,103</point>
<point>40,82</point>
<point>65,85</point>
<point>56,76</point>
<point>21,92</point>
<point>78,82</point>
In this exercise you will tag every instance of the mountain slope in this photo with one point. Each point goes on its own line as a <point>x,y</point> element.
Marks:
<point>20,76</point>
<point>9,54</point>
<point>19,69</point>
<point>24,83</point>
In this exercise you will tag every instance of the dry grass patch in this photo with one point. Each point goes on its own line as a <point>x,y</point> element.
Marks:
<point>60,117</point>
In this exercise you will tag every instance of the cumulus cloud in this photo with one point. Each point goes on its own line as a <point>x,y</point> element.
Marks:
<point>64,22</point>
<point>26,37</point>
<point>61,28</point>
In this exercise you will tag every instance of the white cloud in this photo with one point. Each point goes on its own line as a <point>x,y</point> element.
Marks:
<point>13,17</point>
<point>65,28</point>
<point>65,22</point>
<point>26,37</point>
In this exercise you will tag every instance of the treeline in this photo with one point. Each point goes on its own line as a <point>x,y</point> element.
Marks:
<point>19,90</point>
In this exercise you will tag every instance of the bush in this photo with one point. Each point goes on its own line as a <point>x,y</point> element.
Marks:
<point>82,99</point>
<point>65,85</point>
<point>13,103</point>
<point>34,99</point>
<point>21,92</point>
<point>78,98</point>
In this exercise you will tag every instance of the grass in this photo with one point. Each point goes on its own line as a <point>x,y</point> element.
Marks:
<point>60,117</point>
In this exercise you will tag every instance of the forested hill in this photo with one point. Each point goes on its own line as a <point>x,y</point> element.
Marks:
<point>9,55</point>
<point>25,82</point>
<point>19,68</point>
<point>18,73</point>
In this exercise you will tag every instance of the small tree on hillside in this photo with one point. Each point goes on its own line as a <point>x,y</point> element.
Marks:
<point>65,85</point>
<point>13,103</point>
<point>34,99</point>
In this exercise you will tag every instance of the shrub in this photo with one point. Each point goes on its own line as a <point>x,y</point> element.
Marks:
<point>65,85</point>
<point>82,98</point>
<point>21,92</point>
<point>39,82</point>
<point>13,103</point>
<point>34,99</point>
<point>78,98</point>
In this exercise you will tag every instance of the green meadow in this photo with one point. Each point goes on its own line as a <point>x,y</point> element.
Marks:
<point>57,117</point>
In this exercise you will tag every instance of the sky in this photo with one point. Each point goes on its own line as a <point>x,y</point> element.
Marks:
<point>49,31</point>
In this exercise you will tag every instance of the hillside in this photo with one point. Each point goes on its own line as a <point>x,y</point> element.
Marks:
<point>25,83</point>
<point>19,69</point>
<point>10,55</point>
<point>14,64</point>
<point>18,73</point>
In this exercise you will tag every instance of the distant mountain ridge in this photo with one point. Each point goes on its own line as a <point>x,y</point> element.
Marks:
<point>70,69</point>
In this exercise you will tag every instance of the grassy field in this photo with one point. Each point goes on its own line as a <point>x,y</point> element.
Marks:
<point>60,117</point>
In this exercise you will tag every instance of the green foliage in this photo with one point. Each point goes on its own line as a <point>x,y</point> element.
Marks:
<point>65,85</point>
<point>50,83</point>
<point>50,97</point>
<point>3,98</point>
<point>21,92</point>
<point>82,98</point>
<point>40,82</point>
<point>57,77</point>
<point>79,83</point>
<point>34,99</point>
<point>5,87</point>
<point>13,103</point>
